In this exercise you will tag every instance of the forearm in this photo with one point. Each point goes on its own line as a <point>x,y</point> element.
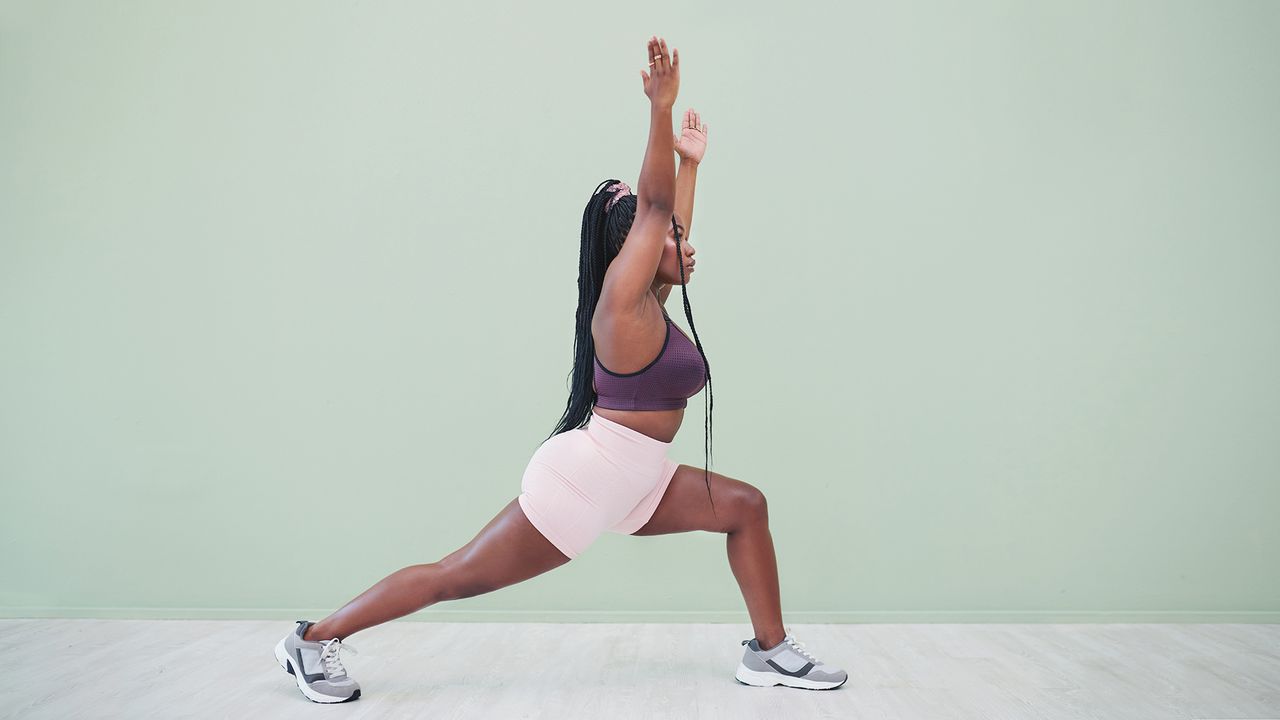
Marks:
<point>656,187</point>
<point>685,181</point>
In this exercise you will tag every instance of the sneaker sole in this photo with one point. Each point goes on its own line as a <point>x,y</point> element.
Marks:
<point>747,676</point>
<point>286,662</point>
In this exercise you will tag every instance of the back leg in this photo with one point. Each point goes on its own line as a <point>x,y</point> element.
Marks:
<point>508,550</point>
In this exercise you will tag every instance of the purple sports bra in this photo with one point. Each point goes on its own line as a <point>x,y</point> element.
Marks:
<point>667,383</point>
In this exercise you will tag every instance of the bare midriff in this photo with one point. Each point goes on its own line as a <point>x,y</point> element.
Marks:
<point>657,424</point>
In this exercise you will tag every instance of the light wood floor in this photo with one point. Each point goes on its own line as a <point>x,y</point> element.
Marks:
<point>172,669</point>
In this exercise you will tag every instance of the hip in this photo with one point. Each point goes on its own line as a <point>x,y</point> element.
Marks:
<point>660,425</point>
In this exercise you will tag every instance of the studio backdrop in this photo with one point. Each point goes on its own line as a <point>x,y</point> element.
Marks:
<point>988,292</point>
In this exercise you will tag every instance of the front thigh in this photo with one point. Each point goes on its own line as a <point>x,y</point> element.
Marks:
<point>686,507</point>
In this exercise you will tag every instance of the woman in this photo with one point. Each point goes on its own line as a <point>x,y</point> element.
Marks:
<point>633,374</point>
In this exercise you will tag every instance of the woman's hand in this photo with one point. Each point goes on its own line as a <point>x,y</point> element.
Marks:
<point>692,142</point>
<point>662,82</point>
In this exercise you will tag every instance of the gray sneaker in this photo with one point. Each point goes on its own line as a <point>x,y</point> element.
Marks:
<point>787,663</point>
<point>315,665</point>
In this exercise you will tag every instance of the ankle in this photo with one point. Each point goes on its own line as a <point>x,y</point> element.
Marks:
<point>312,636</point>
<point>770,642</point>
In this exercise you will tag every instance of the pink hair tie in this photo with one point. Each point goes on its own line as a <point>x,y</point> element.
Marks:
<point>626,190</point>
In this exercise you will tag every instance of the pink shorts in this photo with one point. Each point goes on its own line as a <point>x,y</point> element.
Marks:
<point>602,477</point>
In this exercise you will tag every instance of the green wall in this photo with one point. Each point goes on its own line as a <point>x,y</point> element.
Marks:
<point>990,292</point>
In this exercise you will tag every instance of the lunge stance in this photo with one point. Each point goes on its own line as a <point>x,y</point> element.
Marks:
<point>605,467</point>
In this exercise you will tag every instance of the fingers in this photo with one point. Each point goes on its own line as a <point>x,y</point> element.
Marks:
<point>660,60</point>
<point>693,120</point>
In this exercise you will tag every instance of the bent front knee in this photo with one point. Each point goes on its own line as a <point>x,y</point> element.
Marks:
<point>752,505</point>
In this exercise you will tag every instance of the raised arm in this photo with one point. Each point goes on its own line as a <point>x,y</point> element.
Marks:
<point>630,275</point>
<point>686,178</point>
<point>656,187</point>
<point>691,146</point>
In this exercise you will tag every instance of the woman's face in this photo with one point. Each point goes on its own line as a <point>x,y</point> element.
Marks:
<point>669,266</point>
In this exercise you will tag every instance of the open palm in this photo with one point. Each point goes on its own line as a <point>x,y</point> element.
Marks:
<point>691,144</point>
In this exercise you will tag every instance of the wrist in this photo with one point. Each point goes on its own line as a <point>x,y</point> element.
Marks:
<point>687,163</point>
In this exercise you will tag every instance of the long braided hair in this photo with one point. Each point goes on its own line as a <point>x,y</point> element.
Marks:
<point>602,237</point>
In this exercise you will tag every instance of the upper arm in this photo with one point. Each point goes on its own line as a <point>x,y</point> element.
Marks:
<point>631,273</point>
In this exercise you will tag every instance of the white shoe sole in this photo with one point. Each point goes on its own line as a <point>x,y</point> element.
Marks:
<point>286,662</point>
<point>747,676</point>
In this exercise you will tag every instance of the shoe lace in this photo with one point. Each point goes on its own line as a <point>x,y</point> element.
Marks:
<point>799,647</point>
<point>329,656</point>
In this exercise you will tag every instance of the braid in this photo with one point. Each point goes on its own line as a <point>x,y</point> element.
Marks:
<point>711,398</point>
<point>602,237</point>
